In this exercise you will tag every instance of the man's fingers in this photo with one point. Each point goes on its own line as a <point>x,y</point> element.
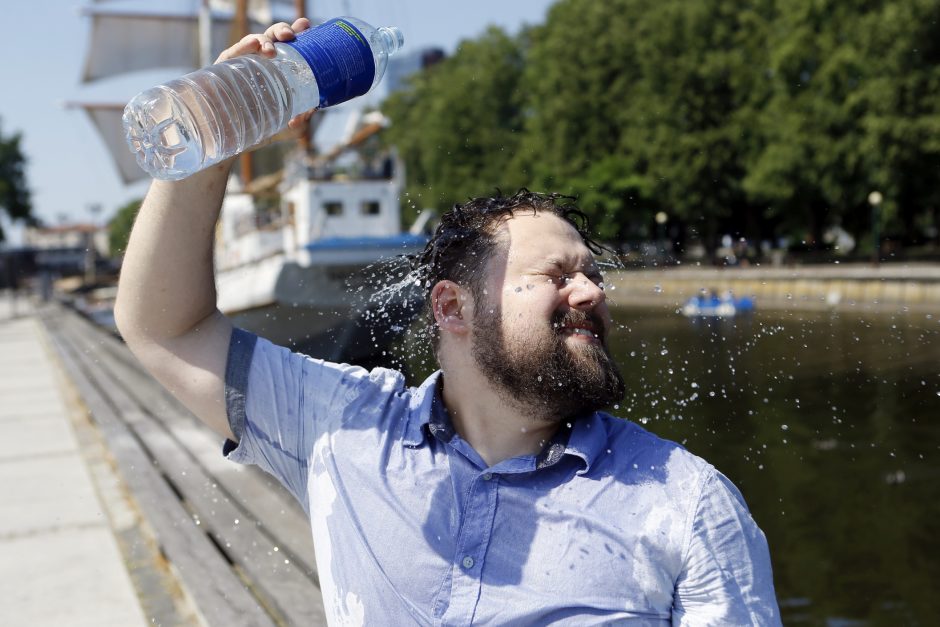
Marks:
<point>299,120</point>
<point>248,44</point>
<point>300,25</point>
<point>281,31</point>
<point>264,43</point>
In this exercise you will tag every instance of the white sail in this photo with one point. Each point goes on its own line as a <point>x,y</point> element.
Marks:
<point>126,40</point>
<point>107,120</point>
<point>123,40</point>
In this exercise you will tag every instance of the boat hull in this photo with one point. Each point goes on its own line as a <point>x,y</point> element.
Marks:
<point>327,310</point>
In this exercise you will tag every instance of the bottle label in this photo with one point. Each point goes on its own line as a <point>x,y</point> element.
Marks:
<point>340,58</point>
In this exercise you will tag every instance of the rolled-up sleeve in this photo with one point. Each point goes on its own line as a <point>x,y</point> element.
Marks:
<point>279,403</point>
<point>727,577</point>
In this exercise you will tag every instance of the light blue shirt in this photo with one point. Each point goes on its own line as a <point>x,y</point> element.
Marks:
<point>609,524</point>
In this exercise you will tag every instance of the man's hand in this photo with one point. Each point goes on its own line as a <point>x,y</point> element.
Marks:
<point>263,44</point>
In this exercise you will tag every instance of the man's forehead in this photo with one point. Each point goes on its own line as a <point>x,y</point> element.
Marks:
<point>544,237</point>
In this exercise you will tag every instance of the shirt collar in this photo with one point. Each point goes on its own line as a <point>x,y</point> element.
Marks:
<point>588,439</point>
<point>419,411</point>
<point>585,438</point>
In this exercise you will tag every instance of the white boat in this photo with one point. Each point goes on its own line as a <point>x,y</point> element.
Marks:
<point>299,274</point>
<point>291,246</point>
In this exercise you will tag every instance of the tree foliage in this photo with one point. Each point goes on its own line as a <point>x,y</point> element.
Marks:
<point>458,124</point>
<point>14,193</point>
<point>760,118</point>
<point>119,229</point>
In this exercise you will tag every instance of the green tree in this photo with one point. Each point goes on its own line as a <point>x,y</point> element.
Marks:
<point>119,229</point>
<point>664,90</point>
<point>14,193</point>
<point>900,144</point>
<point>457,125</point>
<point>579,77</point>
<point>758,119</point>
<point>807,171</point>
<point>853,109</point>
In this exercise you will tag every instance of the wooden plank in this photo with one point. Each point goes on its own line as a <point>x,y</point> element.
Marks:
<point>281,583</point>
<point>219,595</point>
<point>259,493</point>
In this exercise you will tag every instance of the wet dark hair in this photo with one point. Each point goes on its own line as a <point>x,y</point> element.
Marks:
<point>465,239</point>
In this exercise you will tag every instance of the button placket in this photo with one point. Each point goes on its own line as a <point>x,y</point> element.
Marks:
<point>471,549</point>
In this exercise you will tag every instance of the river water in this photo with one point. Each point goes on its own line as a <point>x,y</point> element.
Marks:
<point>829,423</point>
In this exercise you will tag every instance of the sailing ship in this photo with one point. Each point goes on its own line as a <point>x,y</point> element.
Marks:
<point>298,229</point>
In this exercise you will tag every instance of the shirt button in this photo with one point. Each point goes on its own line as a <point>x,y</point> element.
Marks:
<point>468,562</point>
<point>487,476</point>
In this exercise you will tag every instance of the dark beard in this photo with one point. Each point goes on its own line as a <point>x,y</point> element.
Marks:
<point>555,381</point>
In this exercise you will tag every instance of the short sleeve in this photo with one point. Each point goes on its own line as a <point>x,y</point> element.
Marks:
<point>727,577</point>
<point>279,402</point>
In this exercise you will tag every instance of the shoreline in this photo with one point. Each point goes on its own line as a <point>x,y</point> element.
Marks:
<point>862,288</point>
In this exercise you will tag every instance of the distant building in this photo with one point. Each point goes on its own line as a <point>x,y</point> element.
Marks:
<point>68,236</point>
<point>67,249</point>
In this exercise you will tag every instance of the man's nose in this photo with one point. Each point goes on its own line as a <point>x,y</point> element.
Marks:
<point>585,293</point>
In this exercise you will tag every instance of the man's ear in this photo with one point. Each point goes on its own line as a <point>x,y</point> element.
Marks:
<point>452,306</point>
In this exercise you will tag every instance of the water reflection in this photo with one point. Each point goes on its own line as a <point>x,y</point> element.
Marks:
<point>828,423</point>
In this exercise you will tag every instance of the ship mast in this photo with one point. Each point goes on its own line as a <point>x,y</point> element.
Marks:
<point>303,142</point>
<point>240,29</point>
<point>205,34</point>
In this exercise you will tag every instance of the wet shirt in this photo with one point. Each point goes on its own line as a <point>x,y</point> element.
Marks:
<point>609,524</point>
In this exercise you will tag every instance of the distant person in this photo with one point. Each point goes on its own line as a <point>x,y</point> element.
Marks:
<point>497,492</point>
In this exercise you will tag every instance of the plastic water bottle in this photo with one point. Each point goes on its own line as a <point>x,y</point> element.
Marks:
<point>191,123</point>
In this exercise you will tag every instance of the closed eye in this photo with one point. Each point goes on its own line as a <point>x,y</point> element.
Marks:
<point>563,278</point>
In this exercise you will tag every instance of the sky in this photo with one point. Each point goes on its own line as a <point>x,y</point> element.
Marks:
<point>69,171</point>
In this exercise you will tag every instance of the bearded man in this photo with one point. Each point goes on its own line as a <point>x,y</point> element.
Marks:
<point>497,492</point>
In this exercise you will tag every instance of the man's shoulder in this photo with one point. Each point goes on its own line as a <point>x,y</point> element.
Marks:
<point>266,354</point>
<point>637,448</point>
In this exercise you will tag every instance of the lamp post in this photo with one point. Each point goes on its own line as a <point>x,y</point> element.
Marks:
<point>661,219</point>
<point>874,199</point>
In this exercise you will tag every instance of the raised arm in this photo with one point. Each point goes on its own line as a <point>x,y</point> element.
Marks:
<point>166,304</point>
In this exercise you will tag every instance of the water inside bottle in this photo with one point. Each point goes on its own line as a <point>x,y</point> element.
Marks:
<point>206,116</point>
<point>161,132</point>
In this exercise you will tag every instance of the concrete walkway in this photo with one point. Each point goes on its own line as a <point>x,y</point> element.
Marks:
<point>59,559</point>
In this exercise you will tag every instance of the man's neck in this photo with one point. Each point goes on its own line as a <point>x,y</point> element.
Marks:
<point>490,422</point>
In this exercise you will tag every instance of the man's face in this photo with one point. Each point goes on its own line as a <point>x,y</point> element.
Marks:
<point>540,329</point>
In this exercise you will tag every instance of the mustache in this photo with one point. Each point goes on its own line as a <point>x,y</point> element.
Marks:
<point>560,319</point>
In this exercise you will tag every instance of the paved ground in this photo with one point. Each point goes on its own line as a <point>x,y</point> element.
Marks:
<point>59,558</point>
